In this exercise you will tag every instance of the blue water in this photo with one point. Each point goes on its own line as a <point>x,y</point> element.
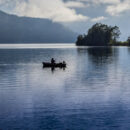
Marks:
<point>92,93</point>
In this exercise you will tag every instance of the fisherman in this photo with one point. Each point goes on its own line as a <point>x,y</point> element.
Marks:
<point>52,61</point>
<point>64,62</point>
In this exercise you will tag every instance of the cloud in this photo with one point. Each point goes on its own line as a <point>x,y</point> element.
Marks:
<point>98,19</point>
<point>55,10</point>
<point>3,2</point>
<point>75,4</point>
<point>100,1</point>
<point>106,1</point>
<point>64,11</point>
<point>119,8</point>
<point>112,7</point>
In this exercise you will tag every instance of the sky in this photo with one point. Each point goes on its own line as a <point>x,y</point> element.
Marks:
<point>78,15</point>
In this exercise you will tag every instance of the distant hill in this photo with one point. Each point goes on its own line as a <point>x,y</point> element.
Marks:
<point>14,29</point>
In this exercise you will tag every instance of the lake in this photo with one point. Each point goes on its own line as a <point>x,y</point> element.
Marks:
<point>92,93</point>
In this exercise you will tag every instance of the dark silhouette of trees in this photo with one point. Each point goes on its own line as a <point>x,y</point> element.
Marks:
<point>128,40</point>
<point>99,35</point>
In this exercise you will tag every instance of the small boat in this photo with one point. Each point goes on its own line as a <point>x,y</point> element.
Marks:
<point>54,65</point>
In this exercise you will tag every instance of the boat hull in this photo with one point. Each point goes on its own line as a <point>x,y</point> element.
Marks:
<point>60,65</point>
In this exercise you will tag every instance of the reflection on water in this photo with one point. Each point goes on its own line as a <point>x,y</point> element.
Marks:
<point>100,55</point>
<point>91,93</point>
<point>53,69</point>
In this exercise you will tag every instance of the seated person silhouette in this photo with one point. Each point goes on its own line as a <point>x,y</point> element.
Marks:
<point>52,61</point>
<point>64,62</point>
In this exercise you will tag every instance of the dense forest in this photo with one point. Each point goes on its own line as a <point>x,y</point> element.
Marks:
<point>101,35</point>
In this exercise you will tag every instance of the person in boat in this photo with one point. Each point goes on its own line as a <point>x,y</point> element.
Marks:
<point>64,62</point>
<point>52,61</point>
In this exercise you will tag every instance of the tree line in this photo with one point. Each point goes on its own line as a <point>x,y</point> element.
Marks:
<point>101,35</point>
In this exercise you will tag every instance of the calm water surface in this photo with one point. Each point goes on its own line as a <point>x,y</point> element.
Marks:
<point>92,93</point>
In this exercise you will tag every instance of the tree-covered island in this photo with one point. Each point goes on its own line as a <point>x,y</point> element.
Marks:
<point>102,35</point>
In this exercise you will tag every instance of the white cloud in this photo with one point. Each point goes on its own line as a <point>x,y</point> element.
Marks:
<point>55,10</point>
<point>101,1</point>
<point>113,7</point>
<point>3,1</point>
<point>60,11</point>
<point>98,19</point>
<point>107,1</point>
<point>75,4</point>
<point>119,8</point>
